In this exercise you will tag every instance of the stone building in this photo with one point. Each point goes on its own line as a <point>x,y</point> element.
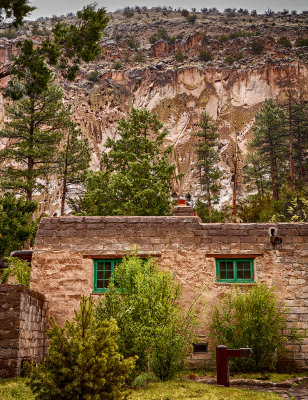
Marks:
<point>75,256</point>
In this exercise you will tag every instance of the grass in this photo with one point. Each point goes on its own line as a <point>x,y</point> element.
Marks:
<point>177,389</point>
<point>15,389</point>
<point>185,390</point>
<point>272,376</point>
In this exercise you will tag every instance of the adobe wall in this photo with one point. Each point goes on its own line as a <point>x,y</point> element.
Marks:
<point>22,328</point>
<point>63,266</point>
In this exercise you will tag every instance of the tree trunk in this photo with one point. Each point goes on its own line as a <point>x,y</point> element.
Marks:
<point>291,168</point>
<point>63,197</point>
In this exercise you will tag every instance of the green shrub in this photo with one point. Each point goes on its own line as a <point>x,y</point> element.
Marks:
<point>205,55</point>
<point>161,34</point>
<point>143,379</point>
<point>191,18</point>
<point>19,271</point>
<point>185,13</point>
<point>139,58</point>
<point>128,12</point>
<point>301,42</point>
<point>284,41</point>
<point>223,38</point>
<point>83,360</point>
<point>117,65</point>
<point>229,60</point>
<point>9,33</point>
<point>257,46</point>
<point>252,318</point>
<point>132,43</point>
<point>179,56</point>
<point>239,56</point>
<point>93,76</point>
<point>146,306</point>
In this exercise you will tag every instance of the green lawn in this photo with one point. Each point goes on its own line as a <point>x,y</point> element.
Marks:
<point>271,376</point>
<point>16,389</point>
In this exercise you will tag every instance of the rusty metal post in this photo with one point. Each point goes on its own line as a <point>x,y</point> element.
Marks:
<point>222,365</point>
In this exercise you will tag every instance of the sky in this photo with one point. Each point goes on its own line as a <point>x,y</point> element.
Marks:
<point>47,8</point>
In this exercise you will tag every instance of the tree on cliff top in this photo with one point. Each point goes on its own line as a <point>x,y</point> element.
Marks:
<point>137,177</point>
<point>67,46</point>
<point>14,11</point>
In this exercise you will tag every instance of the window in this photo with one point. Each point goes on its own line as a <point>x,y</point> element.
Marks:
<point>200,348</point>
<point>104,273</point>
<point>234,270</point>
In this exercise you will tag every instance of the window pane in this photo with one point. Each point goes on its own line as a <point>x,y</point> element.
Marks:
<point>230,274</point>
<point>223,270</point>
<point>240,269</point>
<point>100,284</point>
<point>100,274</point>
<point>107,266</point>
<point>247,270</point>
<point>107,275</point>
<point>100,266</point>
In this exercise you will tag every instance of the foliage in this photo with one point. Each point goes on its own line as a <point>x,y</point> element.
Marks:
<point>137,176</point>
<point>73,160</point>
<point>202,210</point>
<point>35,127</point>
<point>185,13</point>
<point>257,46</point>
<point>128,12</point>
<point>117,65</point>
<point>66,47</point>
<point>94,76</point>
<point>291,207</point>
<point>177,389</point>
<point>229,60</point>
<point>208,157</point>
<point>132,43</point>
<point>191,18</point>
<point>83,360</point>
<point>16,226</point>
<point>15,11</point>
<point>285,42</point>
<point>252,318</point>
<point>179,56</point>
<point>301,42</point>
<point>160,35</point>
<point>146,306</point>
<point>18,270</point>
<point>144,379</point>
<point>239,56</point>
<point>269,134</point>
<point>257,208</point>
<point>205,55</point>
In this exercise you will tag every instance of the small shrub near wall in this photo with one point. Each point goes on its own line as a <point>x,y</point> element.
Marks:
<point>252,318</point>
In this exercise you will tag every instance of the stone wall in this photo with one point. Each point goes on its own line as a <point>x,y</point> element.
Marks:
<point>65,249</point>
<point>22,328</point>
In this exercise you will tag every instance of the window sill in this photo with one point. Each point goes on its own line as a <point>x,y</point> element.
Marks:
<point>235,283</point>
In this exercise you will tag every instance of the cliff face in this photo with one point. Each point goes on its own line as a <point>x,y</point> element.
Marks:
<point>178,96</point>
<point>170,78</point>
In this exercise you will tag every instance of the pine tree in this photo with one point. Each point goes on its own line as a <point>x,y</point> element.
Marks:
<point>83,360</point>
<point>16,226</point>
<point>137,175</point>
<point>34,129</point>
<point>255,174</point>
<point>300,146</point>
<point>269,142</point>
<point>73,161</point>
<point>66,47</point>
<point>15,11</point>
<point>208,158</point>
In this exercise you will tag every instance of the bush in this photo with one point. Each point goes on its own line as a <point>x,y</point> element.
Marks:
<point>160,35</point>
<point>229,60</point>
<point>128,12</point>
<point>284,41</point>
<point>239,56</point>
<point>19,270</point>
<point>83,361</point>
<point>191,18</point>
<point>301,42</point>
<point>179,56</point>
<point>117,65</point>
<point>254,319</point>
<point>257,46</point>
<point>205,55</point>
<point>132,43</point>
<point>147,310</point>
<point>93,76</point>
<point>185,13</point>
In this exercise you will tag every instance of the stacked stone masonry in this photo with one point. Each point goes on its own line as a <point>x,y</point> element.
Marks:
<point>65,249</point>
<point>22,328</point>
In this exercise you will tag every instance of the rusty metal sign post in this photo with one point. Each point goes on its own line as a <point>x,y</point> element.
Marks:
<point>222,362</point>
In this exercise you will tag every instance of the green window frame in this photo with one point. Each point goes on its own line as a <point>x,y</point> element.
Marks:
<point>235,270</point>
<point>104,273</point>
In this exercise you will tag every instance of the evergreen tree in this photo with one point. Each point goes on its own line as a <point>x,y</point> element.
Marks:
<point>208,158</point>
<point>269,142</point>
<point>34,130</point>
<point>137,176</point>
<point>15,11</point>
<point>83,360</point>
<point>73,161</point>
<point>66,47</point>
<point>16,226</point>
<point>300,146</point>
<point>255,174</point>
